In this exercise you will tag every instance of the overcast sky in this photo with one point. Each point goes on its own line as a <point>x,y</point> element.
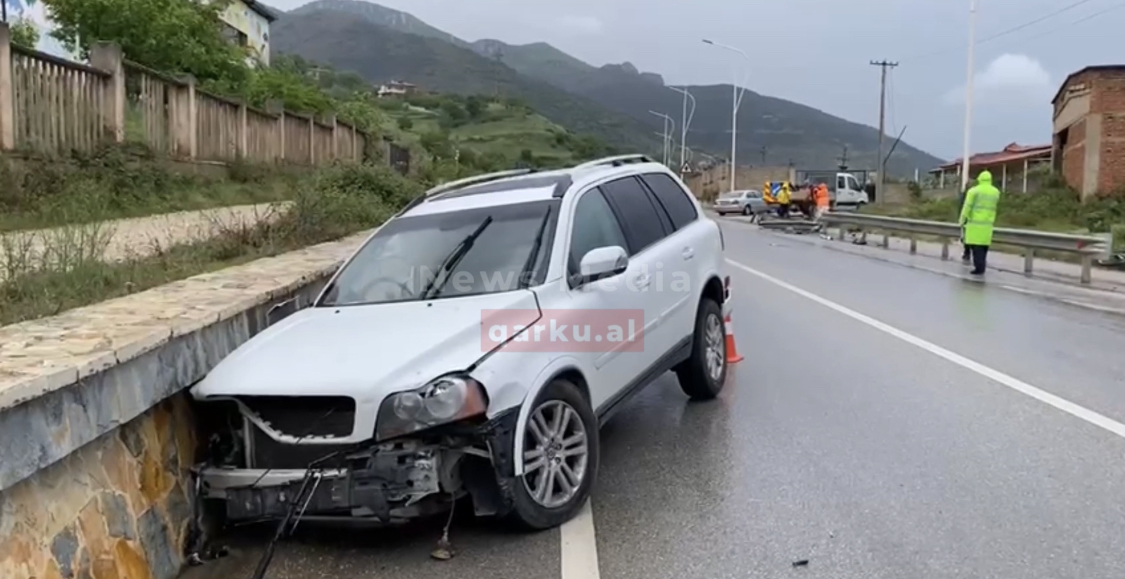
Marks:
<point>824,61</point>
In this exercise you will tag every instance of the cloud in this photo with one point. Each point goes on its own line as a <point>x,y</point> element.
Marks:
<point>1011,78</point>
<point>581,24</point>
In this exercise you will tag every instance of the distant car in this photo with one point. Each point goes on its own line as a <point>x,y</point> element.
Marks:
<point>747,202</point>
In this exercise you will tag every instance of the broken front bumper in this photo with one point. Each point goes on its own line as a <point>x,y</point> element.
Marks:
<point>387,482</point>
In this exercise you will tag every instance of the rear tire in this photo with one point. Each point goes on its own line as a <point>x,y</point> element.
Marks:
<point>702,375</point>
<point>560,446</point>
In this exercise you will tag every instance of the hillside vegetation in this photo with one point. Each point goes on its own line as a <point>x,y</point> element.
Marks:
<point>789,131</point>
<point>379,54</point>
<point>480,132</point>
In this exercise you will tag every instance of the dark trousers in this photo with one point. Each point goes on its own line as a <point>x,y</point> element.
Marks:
<point>980,257</point>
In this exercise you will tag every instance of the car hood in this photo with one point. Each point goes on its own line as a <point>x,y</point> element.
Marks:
<point>366,351</point>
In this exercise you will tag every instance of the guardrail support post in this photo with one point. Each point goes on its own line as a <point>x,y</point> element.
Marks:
<point>1087,263</point>
<point>913,245</point>
<point>1028,260</point>
<point>886,240</point>
<point>944,249</point>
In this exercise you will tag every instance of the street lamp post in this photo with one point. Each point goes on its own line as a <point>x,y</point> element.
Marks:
<point>736,100</point>
<point>968,96</point>
<point>685,122</point>
<point>667,131</point>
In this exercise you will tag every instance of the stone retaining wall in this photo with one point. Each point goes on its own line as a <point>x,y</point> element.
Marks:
<point>96,440</point>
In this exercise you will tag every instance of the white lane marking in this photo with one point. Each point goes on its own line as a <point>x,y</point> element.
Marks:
<point>1016,384</point>
<point>579,546</point>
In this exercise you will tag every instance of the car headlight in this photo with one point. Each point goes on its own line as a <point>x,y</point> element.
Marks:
<point>441,401</point>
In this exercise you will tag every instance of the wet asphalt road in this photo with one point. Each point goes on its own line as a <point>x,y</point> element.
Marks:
<point>834,443</point>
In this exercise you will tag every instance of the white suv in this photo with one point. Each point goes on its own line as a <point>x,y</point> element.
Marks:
<point>472,347</point>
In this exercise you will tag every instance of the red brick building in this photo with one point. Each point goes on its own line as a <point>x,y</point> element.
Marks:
<point>1089,129</point>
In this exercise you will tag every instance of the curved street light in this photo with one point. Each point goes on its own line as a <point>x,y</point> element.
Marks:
<point>667,131</point>
<point>736,101</point>
<point>685,122</point>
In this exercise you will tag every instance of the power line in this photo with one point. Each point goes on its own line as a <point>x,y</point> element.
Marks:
<point>1011,30</point>
<point>1088,18</point>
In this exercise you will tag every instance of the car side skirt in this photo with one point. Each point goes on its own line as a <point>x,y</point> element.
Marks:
<point>674,357</point>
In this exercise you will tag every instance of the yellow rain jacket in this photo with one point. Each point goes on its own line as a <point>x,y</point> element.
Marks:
<point>978,213</point>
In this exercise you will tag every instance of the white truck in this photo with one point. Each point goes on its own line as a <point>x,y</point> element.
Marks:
<point>846,188</point>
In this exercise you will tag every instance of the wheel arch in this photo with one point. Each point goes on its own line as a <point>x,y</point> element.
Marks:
<point>713,289</point>
<point>567,368</point>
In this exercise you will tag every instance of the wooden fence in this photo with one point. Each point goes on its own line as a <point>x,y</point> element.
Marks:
<point>53,105</point>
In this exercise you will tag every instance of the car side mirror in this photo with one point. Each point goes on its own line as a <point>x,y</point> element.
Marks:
<point>602,262</point>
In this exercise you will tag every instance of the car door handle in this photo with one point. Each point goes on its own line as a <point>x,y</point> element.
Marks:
<point>642,281</point>
<point>688,253</point>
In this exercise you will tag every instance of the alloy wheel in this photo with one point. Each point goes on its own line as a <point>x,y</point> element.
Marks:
<point>555,454</point>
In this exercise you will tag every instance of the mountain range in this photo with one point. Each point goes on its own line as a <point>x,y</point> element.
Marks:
<point>611,101</point>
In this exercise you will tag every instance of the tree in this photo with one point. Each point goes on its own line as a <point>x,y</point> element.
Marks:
<point>24,33</point>
<point>297,92</point>
<point>475,106</point>
<point>437,144</point>
<point>172,36</point>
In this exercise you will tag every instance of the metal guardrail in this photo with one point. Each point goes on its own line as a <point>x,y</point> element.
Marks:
<point>1087,247</point>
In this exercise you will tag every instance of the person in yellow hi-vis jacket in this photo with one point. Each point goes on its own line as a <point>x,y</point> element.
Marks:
<point>978,214</point>
<point>783,200</point>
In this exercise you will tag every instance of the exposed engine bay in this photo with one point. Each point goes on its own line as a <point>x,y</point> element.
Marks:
<point>269,454</point>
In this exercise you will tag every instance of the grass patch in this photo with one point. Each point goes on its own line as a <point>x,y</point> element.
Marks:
<point>46,273</point>
<point>119,181</point>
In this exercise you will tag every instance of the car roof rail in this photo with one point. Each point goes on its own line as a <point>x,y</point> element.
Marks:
<point>476,180</point>
<point>616,161</point>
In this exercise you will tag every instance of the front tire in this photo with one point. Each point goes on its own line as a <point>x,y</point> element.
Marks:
<point>560,449</point>
<point>703,374</point>
<point>747,211</point>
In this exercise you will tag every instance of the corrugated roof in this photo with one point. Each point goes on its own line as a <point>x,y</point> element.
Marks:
<point>1013,152</point>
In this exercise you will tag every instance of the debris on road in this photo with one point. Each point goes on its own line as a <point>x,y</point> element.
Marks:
<point>801,563</point>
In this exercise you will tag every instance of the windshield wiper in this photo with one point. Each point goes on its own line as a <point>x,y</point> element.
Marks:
<point>525,279</point>
<point>451,260</point>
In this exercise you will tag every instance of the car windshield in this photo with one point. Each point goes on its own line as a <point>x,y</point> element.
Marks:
<point>404,261</point>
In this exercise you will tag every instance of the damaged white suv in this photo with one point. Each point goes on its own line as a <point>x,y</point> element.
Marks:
<point>471,348</point>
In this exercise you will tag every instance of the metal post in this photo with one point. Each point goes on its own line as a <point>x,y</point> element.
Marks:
<point>968,96</point>
<point>666,131</point>
<point>685,122</point>
<point>736,100</point>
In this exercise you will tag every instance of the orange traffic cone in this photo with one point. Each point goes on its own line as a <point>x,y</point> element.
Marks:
<point>732,352</point>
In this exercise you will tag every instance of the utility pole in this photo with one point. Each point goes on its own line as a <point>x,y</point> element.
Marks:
<point>763,153</point>
<point>883,66</point>
<point>843,158</point>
